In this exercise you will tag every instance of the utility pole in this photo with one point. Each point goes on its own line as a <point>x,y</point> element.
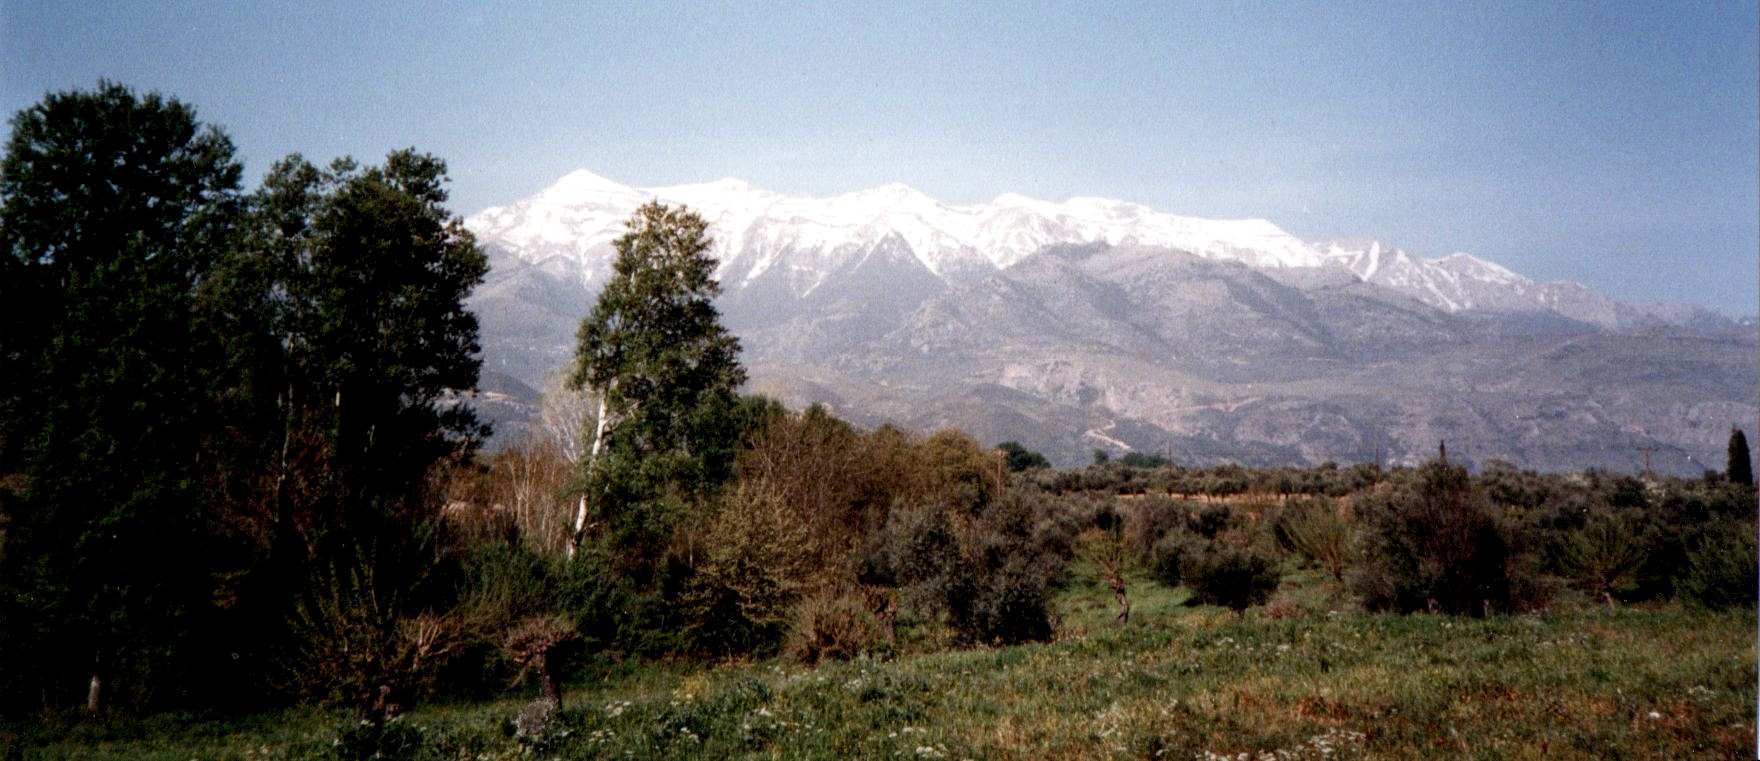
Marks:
<point>1648,474</point>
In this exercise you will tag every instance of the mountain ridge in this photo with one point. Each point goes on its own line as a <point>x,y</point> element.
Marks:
<point>1047,322</point>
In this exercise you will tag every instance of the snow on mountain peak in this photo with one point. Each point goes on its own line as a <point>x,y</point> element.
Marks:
<point>573,222</point>
<point>582,186</point>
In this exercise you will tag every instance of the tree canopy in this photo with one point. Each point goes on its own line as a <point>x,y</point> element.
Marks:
<point>665,374</point>
<point>198,386</point>
<point>113,209</point>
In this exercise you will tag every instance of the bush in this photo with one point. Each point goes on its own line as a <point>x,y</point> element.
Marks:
<point>1168,554</point>
<point>1230,575</point>
<point>1436,545</point>
<point>1155,517</point>
<point>1721,569</point>
<point>1314,530</point>
<point>372,741</point>
<point>987,577</point>
<point>1211,520</point>
<point>353,636</point>
<point>753,568</point>
<point>1604,554</point>
<point>839,624</point>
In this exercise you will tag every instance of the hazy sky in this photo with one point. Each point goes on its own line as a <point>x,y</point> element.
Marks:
<point>1610,143</point>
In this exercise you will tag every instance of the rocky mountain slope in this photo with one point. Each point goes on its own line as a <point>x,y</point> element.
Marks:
<point>1104,324</point>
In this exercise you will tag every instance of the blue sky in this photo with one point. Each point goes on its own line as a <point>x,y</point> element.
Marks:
<point>1610,143</point>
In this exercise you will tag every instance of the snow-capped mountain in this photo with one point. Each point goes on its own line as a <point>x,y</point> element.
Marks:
<point>1094,322</point>
<point>570,225</point>
<point>567,230</point>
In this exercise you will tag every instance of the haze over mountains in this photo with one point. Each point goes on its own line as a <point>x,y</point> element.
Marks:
<point>1104,324</point>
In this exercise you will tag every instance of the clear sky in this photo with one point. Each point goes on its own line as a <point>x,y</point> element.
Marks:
<point>1612,143</point>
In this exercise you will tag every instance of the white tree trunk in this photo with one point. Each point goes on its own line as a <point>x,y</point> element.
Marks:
<point>580,514</point>
<point>92,692</point>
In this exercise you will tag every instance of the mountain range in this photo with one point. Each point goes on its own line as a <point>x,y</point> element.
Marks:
<point>1099,324</point>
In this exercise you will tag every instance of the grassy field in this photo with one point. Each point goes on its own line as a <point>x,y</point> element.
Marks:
<point>1287,682</point>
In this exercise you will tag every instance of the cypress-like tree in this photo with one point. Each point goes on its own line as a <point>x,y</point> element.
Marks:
<point>1741,465</point>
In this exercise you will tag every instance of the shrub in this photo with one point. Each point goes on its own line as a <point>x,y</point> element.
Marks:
<point>1154,518</point>
<point>1436,545</point>
<point>1168,554</point>
<point>839,624</point>
<point>1213,519</point>
<point>1604,554</point>
<point>352,638</point>
<point>1721,568</point>
<point>1314,530</point>
<point>1230,575</point>
<point>753,568</point>
<point>987,577</point>
<point>372,741</point>
<point>1106,551</point>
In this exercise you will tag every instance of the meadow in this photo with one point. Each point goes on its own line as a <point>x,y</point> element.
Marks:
<point>1286,681</point>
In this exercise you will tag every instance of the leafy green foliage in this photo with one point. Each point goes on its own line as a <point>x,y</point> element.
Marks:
<point>203,396</point>
<point>1722,568</point>
<point>1228,574</point>
<point>653,352</point>
<point>1605,554</point>
<point>115,207</point>
<point>1020,458</point>
<point>1434,546</point>
<point>1143,460</point>
<point>365,273</point>
<point>1315,531</point>
<point>755,567</point>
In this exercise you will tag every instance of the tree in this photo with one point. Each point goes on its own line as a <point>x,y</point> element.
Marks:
<point>113,210</point>
<point>366,273</point>
<point>1021,458</point>
<point>351,286</point>
<point>1143,460</point>
<point>664,373</point>
<point>1741,465</point>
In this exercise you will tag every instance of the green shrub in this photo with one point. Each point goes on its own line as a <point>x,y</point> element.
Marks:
<point>1211,520</point>
<point>1230,575</point>
<point>1168,554</point>
<point>1437,545</point>
<point>1314,530</point>
<point>838,624</point>
<point>987,577</point>
<point>753,567</point>
<point>379,741</point>
<point>1721,568</point>
<point>1603,555</point>
<point>1154,518</point>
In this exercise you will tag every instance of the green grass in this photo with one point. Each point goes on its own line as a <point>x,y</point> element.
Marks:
<point>1176,682</point>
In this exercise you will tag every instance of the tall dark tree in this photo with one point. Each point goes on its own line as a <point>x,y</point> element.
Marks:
<point>1741,464</point>
<point>351,341</point>
<point>358,276</point>
<point>113,209</point>
<point>665,373</point>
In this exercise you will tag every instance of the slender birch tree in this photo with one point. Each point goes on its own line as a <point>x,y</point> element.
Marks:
<point>662,374</point>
